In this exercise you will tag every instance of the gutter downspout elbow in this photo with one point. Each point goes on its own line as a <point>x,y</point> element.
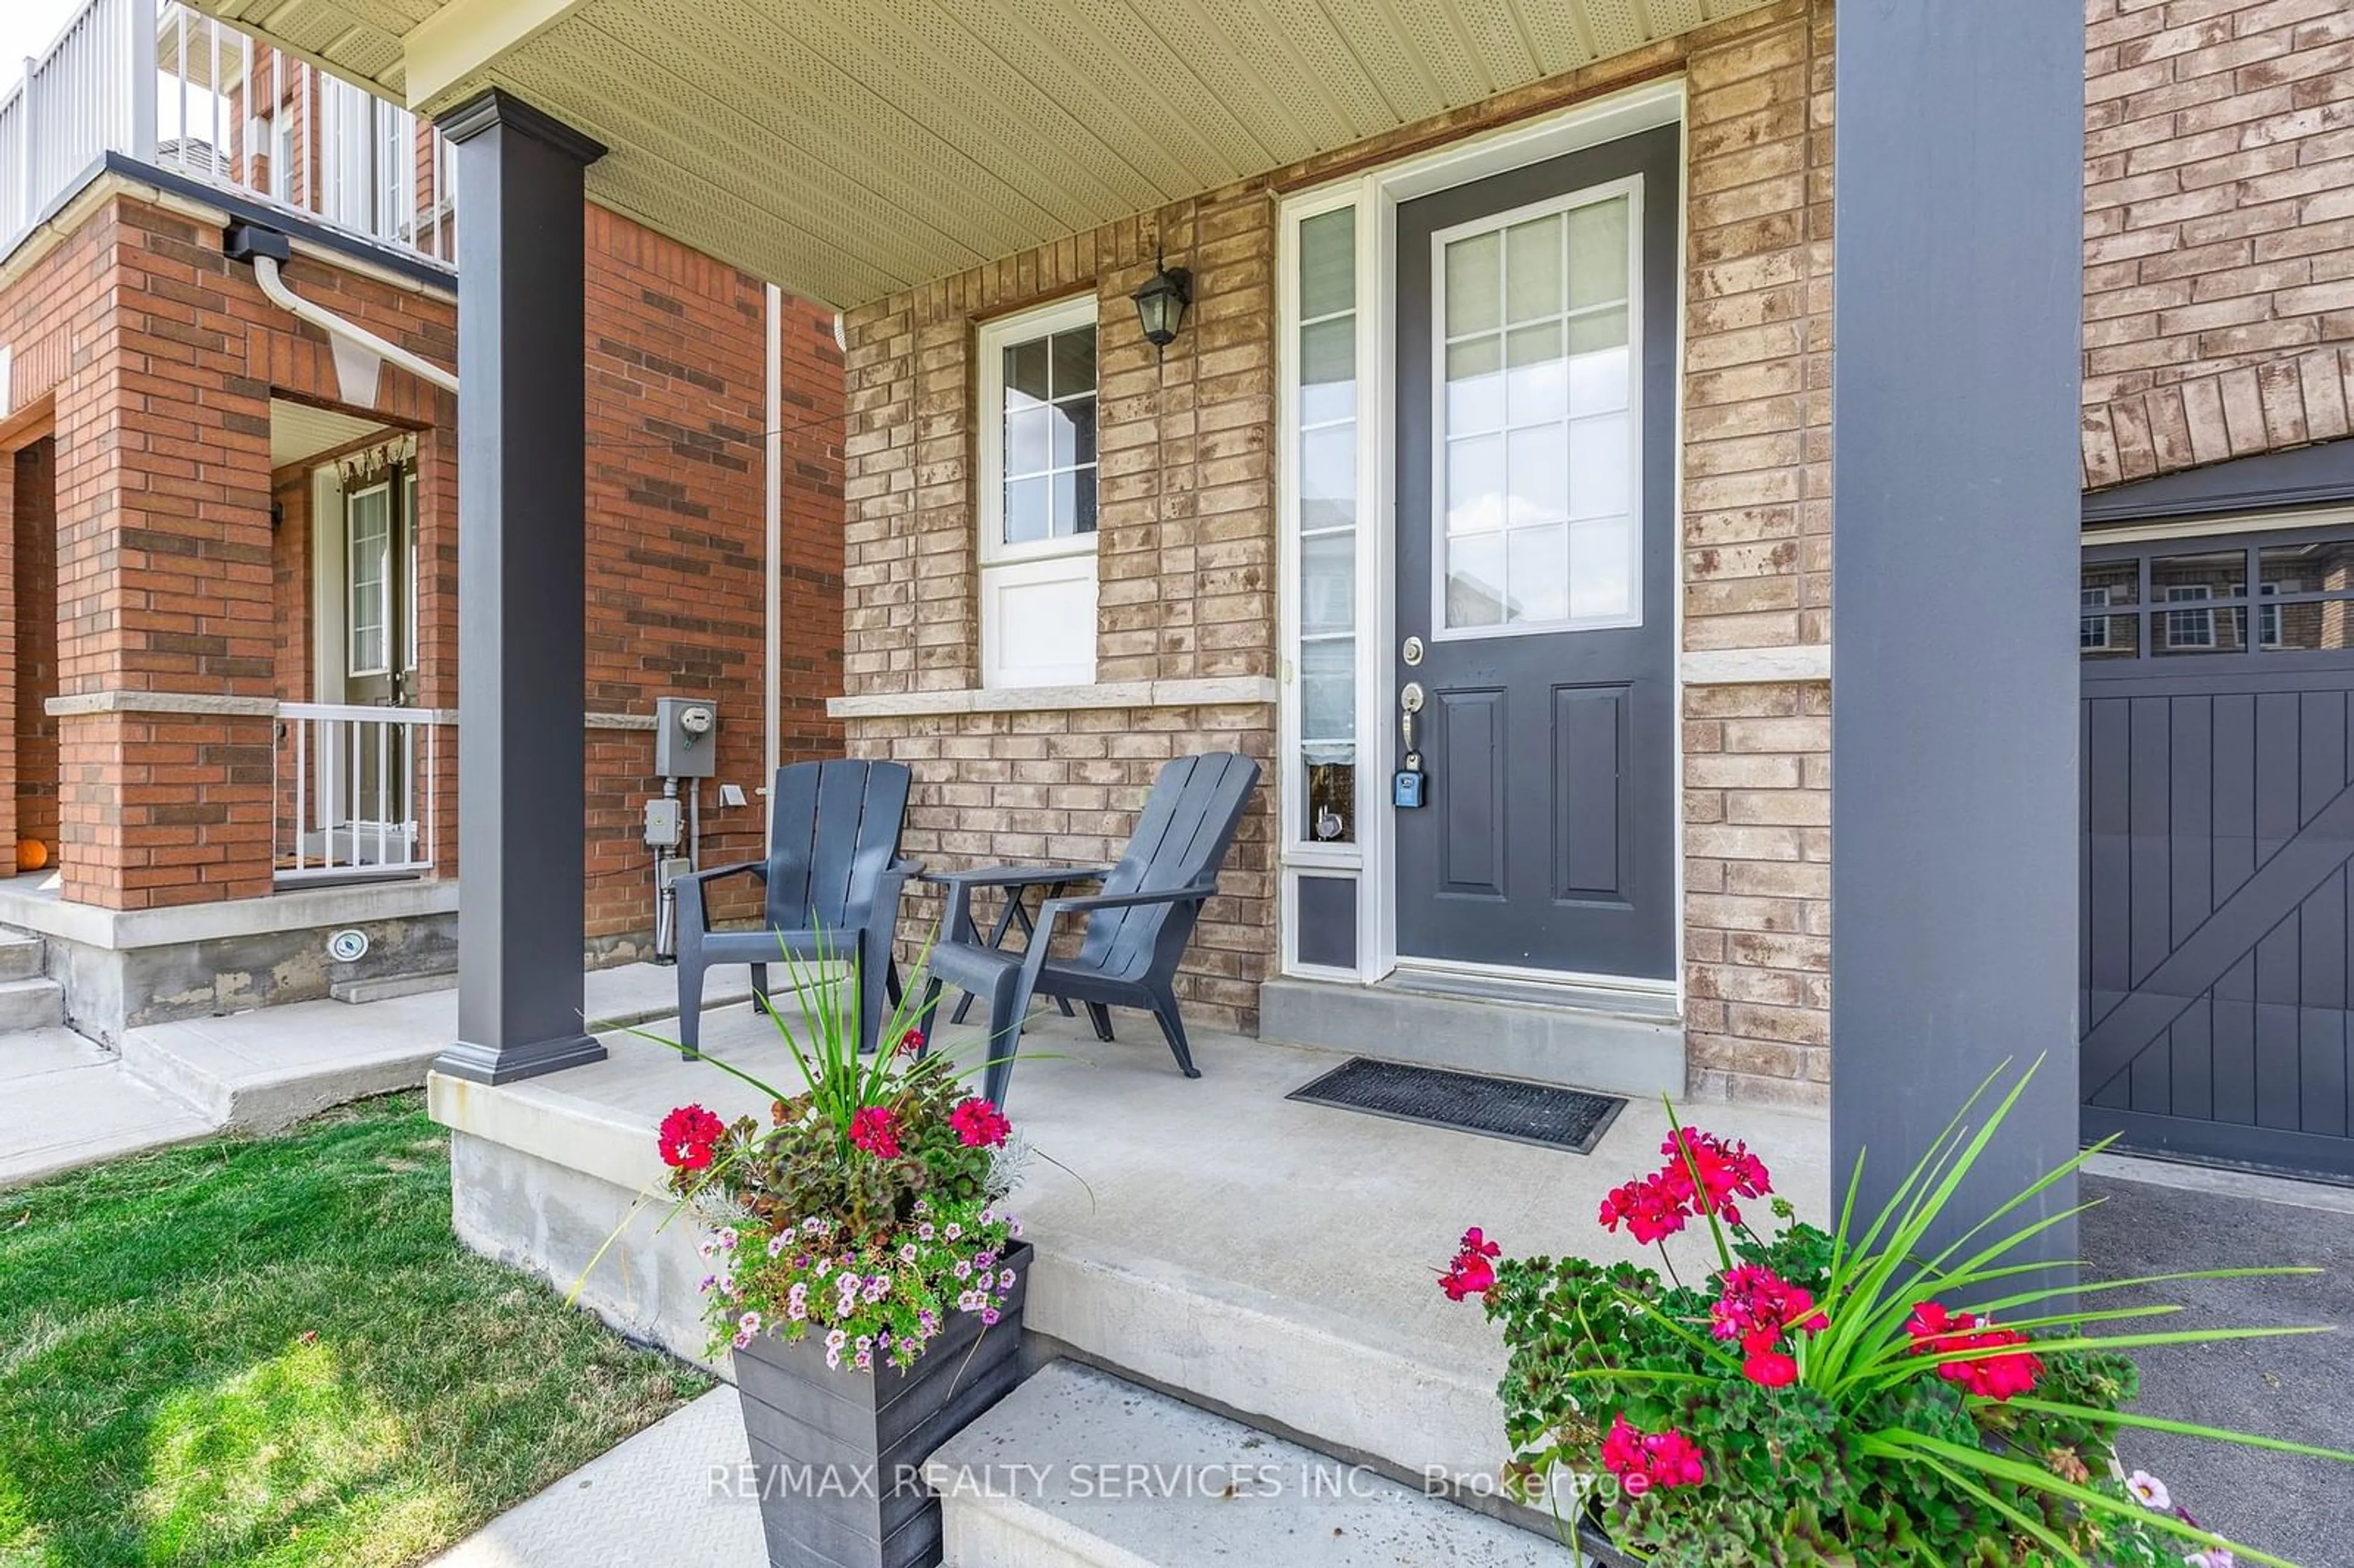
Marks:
<point>257,250</point>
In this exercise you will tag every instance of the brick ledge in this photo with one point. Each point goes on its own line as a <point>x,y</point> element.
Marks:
<point>1201,691</point>
<point>1756,666</point>
<point>201,703</point>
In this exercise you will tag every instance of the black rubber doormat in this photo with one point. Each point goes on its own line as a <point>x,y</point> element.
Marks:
<point>1541,1114</point>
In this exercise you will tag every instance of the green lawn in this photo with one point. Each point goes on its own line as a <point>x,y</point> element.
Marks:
<point>273,1351</point>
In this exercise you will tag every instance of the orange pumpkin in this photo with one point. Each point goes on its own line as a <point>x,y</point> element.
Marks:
<point>31,854</point>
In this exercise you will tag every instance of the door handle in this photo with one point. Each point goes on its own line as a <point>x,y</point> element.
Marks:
<point>1407,785</point>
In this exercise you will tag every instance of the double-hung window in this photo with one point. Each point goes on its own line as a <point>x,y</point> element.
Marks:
<point>2093,630</point>
<point>1038,497</point>
<point>2190,628</point>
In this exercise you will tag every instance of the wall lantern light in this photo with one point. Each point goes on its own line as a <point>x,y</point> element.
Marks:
<point>1161,303</point>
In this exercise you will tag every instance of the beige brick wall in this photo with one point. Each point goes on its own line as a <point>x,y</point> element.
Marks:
<point>1758,566</point>
<point>1185,562</point>
<point>1189,538</point>
<point>2219,230</point>
<point>1067,786</point>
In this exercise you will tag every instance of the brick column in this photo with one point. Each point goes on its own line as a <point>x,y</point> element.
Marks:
<point>165,604</point>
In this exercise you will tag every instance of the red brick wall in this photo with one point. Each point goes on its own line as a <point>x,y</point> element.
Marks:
<point>678,527</point>
<point>162,357</point>
<point>2219,231</point>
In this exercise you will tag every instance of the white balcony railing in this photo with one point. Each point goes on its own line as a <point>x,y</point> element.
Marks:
<point>154,82</point>
<point>357,790</point>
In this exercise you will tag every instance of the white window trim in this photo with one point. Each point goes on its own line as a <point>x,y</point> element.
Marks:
<point>1301,847</point>
<point>281,155</point>
<point>353,669</point>
<point>2189,594</point>
<point>1042,562</point>
<point>2097,623</point>
<point>1043,322</point>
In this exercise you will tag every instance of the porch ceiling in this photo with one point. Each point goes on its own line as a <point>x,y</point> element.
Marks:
<point>848,148</point>
<point>299,432</point>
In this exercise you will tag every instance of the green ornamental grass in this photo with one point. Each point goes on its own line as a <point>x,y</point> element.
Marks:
<point>1863,1397</point>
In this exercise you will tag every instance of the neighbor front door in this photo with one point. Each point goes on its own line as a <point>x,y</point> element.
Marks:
<point>374,762</point>
<point>1535,419</point>
<point>379,582</point>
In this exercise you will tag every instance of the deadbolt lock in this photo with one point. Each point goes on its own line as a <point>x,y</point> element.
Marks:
<point>1412,652</point>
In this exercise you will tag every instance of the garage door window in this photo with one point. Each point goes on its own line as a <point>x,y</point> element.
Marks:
<point>2203,601</point>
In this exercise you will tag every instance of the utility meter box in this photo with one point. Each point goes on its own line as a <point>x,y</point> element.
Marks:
<point>686,738</point>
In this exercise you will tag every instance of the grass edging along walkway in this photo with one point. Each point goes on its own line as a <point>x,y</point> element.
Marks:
<point>274,1352</point>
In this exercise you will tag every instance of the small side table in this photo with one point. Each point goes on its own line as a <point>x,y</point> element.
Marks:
<point>1053,881</point>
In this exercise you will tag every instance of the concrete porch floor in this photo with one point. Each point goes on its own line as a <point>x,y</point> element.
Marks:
<point>1271,1259</point>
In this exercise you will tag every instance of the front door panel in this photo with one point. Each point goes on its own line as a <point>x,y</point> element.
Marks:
<point>1535,420</point>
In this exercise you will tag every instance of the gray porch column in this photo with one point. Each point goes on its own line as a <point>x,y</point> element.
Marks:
<point>521,591</point>
<point>1956,380</point>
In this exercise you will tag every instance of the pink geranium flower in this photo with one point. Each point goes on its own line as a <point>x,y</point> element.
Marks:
<point>1642,1460</point>
<point>689,1134</point>
<point>980,1124</point>
<point>875,1131</point>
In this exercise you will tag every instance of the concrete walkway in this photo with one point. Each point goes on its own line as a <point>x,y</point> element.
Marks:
<point>66,1102</point>
<point>661,1499</point>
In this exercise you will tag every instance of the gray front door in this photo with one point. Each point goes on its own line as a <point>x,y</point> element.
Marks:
<point>1535,611</point>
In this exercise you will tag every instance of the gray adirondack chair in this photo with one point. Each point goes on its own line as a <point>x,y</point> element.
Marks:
<point>834,875</point>
<point>1137,927</point>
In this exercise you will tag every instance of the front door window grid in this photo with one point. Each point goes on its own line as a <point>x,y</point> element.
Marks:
<point>1536,434</point>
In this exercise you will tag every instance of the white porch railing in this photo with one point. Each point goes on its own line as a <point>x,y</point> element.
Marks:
<point>154,82</point>
<point>357,790</point>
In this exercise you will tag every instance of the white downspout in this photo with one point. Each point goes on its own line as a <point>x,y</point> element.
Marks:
<point>265,273</point>
<point>772,714</point>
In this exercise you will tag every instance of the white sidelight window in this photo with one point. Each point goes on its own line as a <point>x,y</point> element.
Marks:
<point>1037,493</point>
<point>1331,599</point>
<point>1325,402</point>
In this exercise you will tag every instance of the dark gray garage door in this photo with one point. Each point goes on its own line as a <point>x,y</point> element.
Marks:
<point>2217,935</point>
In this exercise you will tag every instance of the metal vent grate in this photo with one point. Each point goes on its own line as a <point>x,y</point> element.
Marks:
<point>1541,1114</point>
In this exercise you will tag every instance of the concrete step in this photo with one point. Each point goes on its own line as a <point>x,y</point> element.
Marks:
<point>1586,1042</point>
<point>384,988</point>
<point>37,1003</point>
<point>263,1071</point>
<point>20,956</point>
<point>1077,1469</point>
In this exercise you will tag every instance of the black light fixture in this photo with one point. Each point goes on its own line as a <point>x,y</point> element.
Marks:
<point>1161,303</point>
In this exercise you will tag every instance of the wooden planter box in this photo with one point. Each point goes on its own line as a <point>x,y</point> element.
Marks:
<point>837,1454</point>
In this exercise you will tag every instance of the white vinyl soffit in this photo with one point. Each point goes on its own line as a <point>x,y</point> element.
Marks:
<point>845,149</point>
